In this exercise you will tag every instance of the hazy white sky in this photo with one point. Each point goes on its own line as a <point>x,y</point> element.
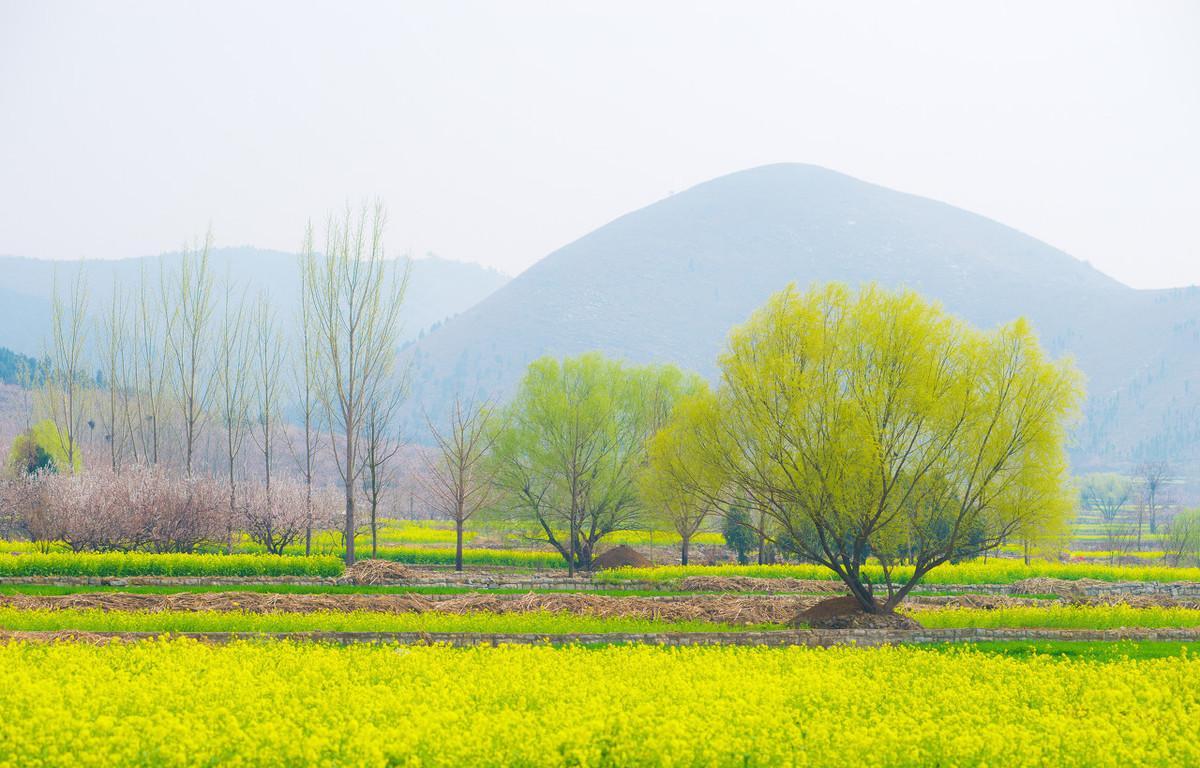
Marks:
<point>498,131</point>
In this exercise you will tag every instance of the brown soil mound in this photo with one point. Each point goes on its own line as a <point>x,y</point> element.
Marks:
<point>730,610</point>
<point>749,609</point>
<point>846,613</point>
<point>621,557</point>
<point>751,584</point>
<point>376,572</point>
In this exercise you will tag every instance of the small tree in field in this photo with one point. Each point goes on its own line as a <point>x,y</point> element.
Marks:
<point>458,479</point>
<point>1107,494</point>
<point>1181,541</point>
<point>671,488</point>
<point>872,428</point>
<point>1154,476</point>
<point>275,516</point>
<point>379,449</point>
<point>572,445</point>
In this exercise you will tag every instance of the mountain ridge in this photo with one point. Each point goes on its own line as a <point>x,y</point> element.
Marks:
<point>439,288</point>
<point>666,282</point>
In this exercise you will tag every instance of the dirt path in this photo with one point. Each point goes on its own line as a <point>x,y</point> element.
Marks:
<point>728,608</point>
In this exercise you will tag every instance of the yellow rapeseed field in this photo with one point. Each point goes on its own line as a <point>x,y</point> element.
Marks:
<point>181,703</point>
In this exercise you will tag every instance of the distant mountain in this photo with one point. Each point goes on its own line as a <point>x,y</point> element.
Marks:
<point>438,288</point>
<point>666,283</point>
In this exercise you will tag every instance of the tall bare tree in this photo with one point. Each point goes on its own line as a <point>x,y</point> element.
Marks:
<point>114,366</point>
<point>355,294</point>
<point>233,402</point>
<point>459,480</point>
<point>152,330</point>
<point>266,363</point>
<point>305,383</point>
<point>65,380</point>
<point>189,305</point>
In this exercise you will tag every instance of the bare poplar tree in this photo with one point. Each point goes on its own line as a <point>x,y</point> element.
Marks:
<point>1153,475</point>
<point>355,294</point>
<point>190,310</point>
<point>234,400</point>
<point>459,480</point>
<point>65,382</point>
<point>152,331</point>
<point>305,388</point>
<point>114,367</point>
<point>266,363</point>
<point>379,449</point>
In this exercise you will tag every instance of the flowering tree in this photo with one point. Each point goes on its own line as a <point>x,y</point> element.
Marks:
<point>277,516</point>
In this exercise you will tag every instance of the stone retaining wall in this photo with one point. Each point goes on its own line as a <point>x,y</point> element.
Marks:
<point>807,637</point>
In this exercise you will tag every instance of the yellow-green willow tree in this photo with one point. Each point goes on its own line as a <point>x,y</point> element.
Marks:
<point>872,425</point>
<point>669,486</point>
<point>572,443</point>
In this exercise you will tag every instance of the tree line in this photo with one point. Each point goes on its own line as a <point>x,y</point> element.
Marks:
<point>846,426</point>
<point>196,378</point>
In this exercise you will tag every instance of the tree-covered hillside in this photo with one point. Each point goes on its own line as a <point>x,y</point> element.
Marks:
<point>14,365</point>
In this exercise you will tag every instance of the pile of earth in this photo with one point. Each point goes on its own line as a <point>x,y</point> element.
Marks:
<point>728,609</point>
<point>621,557</point>
<point>846,613</point>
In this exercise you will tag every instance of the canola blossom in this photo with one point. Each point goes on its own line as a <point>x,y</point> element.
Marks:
<point>534,622</point>
<point>523,558</point>
<point>183,703</point>
<point>1060,617</point>
<point>174,564</point>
